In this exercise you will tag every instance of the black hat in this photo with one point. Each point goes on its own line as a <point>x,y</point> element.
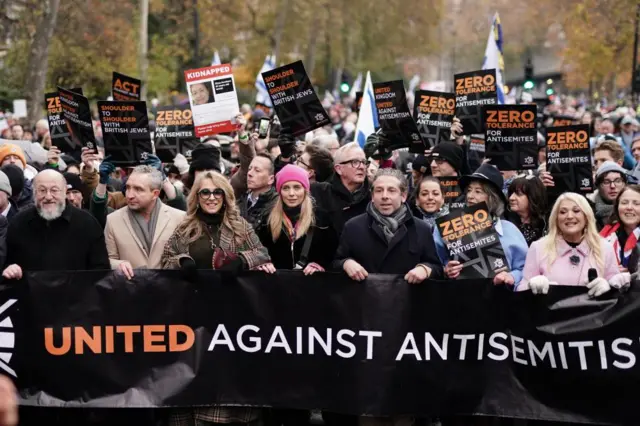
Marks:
<point>287,144</point>
<point>205,157</point>
<point>488,174</point>
<point>372,148</point>
<point>449,152</point>
<point>74,183</point>
<point>420,164</point>
<point>16,178</point>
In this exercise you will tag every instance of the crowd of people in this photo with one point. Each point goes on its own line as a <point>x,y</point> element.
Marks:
<point>317,204</point>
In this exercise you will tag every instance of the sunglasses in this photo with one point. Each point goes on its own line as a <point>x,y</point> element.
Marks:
<point>205,194</point>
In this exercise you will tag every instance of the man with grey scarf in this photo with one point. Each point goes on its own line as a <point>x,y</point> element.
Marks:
<point>610,181</point>
<point>136,234</point>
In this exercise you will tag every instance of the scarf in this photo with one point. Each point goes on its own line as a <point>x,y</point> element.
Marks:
<point>609,232</point>
<point>603,208</point>
<point>145,230</point>
<point>389,224</point>
<point>430,218</point>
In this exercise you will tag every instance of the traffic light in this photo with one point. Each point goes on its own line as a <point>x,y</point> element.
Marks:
<point>528,75</point>
<point>345,86</point>
<point>550,91</point>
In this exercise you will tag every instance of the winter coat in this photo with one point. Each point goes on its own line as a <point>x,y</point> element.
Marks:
<point>73,242</point>
<point>335,201</point>
<point>363,241</point>
<point>256,214</point>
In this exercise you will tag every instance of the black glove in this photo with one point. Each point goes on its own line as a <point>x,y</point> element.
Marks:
<point>235,266</point>
<point>189,269</point>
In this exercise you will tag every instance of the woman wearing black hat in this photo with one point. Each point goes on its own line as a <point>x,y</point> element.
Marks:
<point>485,186</point>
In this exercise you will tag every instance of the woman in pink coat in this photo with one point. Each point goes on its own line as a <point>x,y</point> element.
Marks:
<point>571,248</point>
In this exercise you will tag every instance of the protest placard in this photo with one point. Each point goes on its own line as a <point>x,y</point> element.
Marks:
<point>125,131</point>
<point>434,112</point>
<point>569,159</point>
<point>474,90</point>
<point>125,88</point>
<point>511,136</point>
<point>77,115</point>
<point>174,132</point>
<point>395,118</point>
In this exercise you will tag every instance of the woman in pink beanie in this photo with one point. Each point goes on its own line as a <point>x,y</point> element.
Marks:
<point>292,221</point>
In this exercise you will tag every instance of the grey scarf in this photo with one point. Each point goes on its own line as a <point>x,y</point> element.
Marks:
<point>603,209</point>
<point>389,224</point>
<point>143,229</point>
<point>430,218</point>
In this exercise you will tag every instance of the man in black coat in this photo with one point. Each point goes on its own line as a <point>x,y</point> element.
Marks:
<point>346,194</point>
<point>53,235</point>
<point>387,239</point>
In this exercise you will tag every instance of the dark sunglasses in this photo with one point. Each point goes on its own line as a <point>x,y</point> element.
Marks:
<point>205,194</point>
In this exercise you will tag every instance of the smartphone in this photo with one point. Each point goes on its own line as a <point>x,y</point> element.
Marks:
<point>263,127</point>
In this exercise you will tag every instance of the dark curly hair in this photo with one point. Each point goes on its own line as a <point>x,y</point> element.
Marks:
<point>536,193</point>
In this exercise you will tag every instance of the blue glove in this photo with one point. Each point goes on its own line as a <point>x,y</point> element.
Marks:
<point>105,170</point>
<point>153,161</point>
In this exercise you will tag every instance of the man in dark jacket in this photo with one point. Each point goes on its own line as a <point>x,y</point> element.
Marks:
<point>346,194</point>
<point>255,204</point>
<point>53,235</point>
<point>387,239</point>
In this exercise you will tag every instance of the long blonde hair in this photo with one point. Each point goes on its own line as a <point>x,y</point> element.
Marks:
<point>192,227</point>
<point>591,236</point>
<point>306,220</point>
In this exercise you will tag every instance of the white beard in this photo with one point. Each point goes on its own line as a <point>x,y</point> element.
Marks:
<point>51,215</point>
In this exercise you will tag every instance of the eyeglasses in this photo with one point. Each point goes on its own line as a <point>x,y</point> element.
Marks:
<point>615,182</point>
<point>206,194</point>
<point>42,191</point>
<point>439,161</point>
<point>299,161</point>
<point>355,163</point>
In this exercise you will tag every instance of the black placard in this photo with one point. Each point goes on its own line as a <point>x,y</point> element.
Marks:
<point>562,121</point>
<point>474,90</point>
<point>58,130</point>
<point>294,99</point>
<point>511,136</point>
<point>125,131</point>
<point>472,240</point>
<point>475,153</point>
<point>77,114</point>
<point>395,118</point>
<point>569,159</point>
<point>451,192</point>
<point>125,88</point>
<point>174,132</point>
<point>433,113</point>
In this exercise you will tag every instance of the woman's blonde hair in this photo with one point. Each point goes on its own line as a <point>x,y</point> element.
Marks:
<point>306,220</point>
<point>591,235</point>
<point>192,227</point>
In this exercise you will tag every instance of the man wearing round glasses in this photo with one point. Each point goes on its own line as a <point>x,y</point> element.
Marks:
<point>610,181</point>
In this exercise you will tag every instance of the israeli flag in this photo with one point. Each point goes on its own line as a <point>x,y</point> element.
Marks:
<point>216,59</point>
<point>493,58</point>
<point>368,116</point>
<point>262,95</point>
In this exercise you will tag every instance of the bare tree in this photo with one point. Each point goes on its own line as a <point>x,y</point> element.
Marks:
<point>38,60</point>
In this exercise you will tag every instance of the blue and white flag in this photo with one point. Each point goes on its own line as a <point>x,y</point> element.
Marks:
<point>493,58</point>
<point>216,59</point>
<point>262,95</point>
<point>368,115</point>
<point>357,86</point>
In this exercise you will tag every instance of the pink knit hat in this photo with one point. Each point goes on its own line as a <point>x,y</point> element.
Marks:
<point>292,173</point>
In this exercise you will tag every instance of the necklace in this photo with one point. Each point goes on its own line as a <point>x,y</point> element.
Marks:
<point>207,229</point>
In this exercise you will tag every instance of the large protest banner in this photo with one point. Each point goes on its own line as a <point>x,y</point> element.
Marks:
<point>294,99</point>
<point>77,114</point>
<point>58,130</point>
<point>213,99</point>
<point>95,339</point>
<point>434,112</point>
<point>474,90</point>
<point>569,159</point>
<point>125,131</point>
<point>125,88</point>
<point>174,132</point>
<point>511,136</point>
<point>395,118</point>
<point>471,239</point>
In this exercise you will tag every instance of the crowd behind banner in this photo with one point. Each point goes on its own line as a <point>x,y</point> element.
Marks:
<point>288,189</point>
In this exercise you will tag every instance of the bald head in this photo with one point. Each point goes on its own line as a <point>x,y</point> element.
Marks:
<point>50,177</point>
<point>42,127</point>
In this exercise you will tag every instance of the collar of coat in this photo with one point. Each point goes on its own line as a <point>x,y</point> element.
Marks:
<point>66,213</point>
<point>357,196</point>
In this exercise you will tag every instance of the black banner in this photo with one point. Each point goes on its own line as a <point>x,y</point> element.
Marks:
<point>433,112</point>
<point>58,130</point>
<point>95,339</point>
<point>174,132</point>
<point>395,118</point>
<point>472,240</point>
<point>125,88</point>
<point>451,192</point>
<point>476,151</point>
<point>511,136</point>
<point>77,114</point>
<point>294,99</point>
<point>569,159</point>
<point>125,131</point>
<point>474,90</point>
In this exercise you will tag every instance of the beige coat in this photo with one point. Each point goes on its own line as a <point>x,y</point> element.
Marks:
<point>124,245</point>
